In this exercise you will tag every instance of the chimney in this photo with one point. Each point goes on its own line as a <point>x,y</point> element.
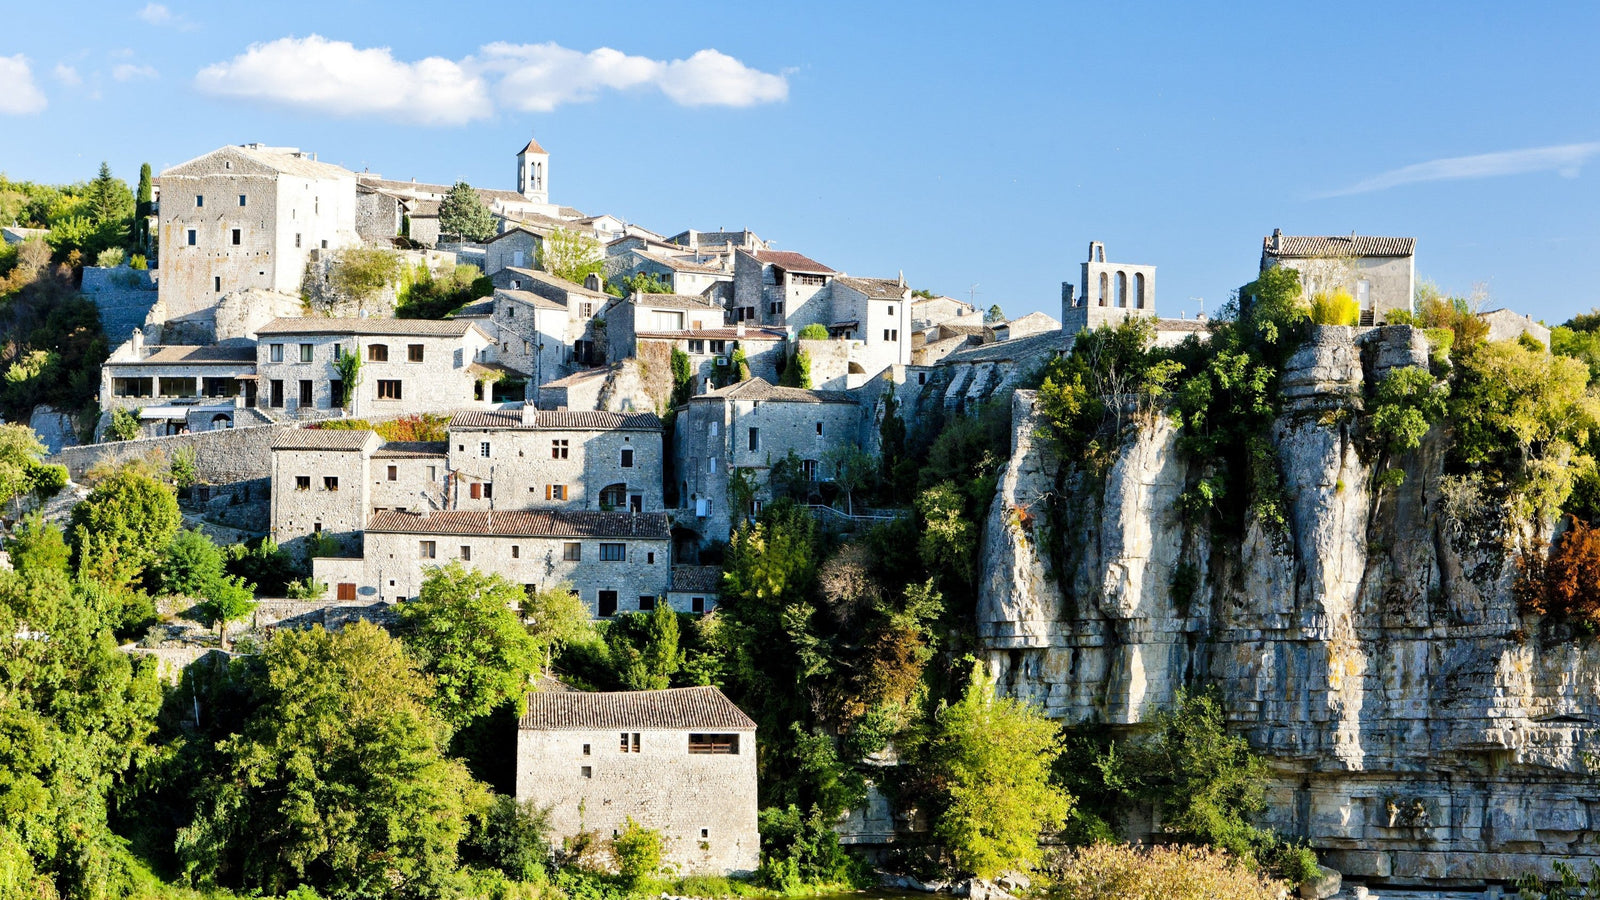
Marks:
<point>1277,238</point>
<point>138,344</point>
<point>738,328</point>
<point>530,414</point>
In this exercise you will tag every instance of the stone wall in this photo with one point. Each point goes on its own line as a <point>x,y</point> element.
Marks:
<point>123,296</point>
<point>704,804</point>
<point>1420,729</point>
<point>222,457</point>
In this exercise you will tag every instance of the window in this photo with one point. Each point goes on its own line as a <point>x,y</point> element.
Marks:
<point>297,240</point>
<point>275,353</point>
<point>714,743</point>
<point>330,482</point>
<point>388,389</point>
<point>588,771</point>
<point>302,482</point>
<point>819,429</point>
<point>483,449</point>
<point>305,353</point>
<point>891,334</point>
<point>650,559</point>
<point>347,590</point>
<point>630,742</point>
<point>475,490</point>
<point>586,310</point>
<point>199,201</point>
<point>647,602</point>
<point>377,353</point>
<point>558,449</point>
<point>555,492</point>
<point>922,378</point>
<point>719,346</point>
<point>572,551</point>
<point>697,604</point>
<point>585,749</point>
<point>433,473</point>
<point>705,833</point>
<point>235,235</point>
<point>216,283</point>
<point>891,309</point>
<point>394,473</point>
<point>335,392</point>
<point>516,552</point>
<point>488,490</point>
<point>775,308</point>
<point>755,439</point>
<point>607,604</point>
<point>426,549</point>
<point>809,468</point>
<point>275,393</point>
<point>697,346</point>
<point>324,245</point>
<point>306,393</point>
<point>809,279</point>
<point>241,200</point>
<point>414,353</point>
<point>192,237</point>
<point>466,553</point>
<point>627,457</point>
<point>713,462</point>
<point>613,552</point>
<point>613,496</point>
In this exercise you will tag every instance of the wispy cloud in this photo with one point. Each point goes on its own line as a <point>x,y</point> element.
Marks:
<point>22,96</point>
<point>159,15</point>
<point>1565,160</point>
<point>338,78</point>
<point>67,75</point>
<point>132,72</point>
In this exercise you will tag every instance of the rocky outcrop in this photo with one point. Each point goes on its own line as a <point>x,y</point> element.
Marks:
<point>1420,729</point>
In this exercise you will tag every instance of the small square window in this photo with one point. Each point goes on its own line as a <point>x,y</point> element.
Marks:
<point>330,482</point>
<point>192,237</point>
<point>427,549</point>
<point>199,200</point>
<point>394,473</point>
<point>237,236</point>
<point>572,551</point>
<point>302,482</point>
<point>414,352</point>
<point>697,604</point>
<point>647,602</point>
<point>705,833</point>
<point>650,558</point>
<point>275,352</point>
<point>377,353</point>
<point>241,200</point>
<point>516,552</point>
<point>588,772</point>
<point>466,553</point>
<point>627,457</point>
<point>555,492</point>
<point>586,750</point>
<point>483,449</point>
<point>558,449</point>
<point>305,353</point>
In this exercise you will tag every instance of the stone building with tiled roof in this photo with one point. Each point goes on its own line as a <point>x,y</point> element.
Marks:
<point>194,388</point>
<point>681,761</point>
<point>1379,272</point>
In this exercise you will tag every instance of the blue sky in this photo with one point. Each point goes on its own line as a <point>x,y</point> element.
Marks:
<point>964,143</point>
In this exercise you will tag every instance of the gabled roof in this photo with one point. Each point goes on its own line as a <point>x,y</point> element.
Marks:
<point>761,389</point>
<point>686,709</point>
<point>556,281</point>
<point>548,523</point>
<point>202,355</point>
<point>1336,246</point>
<point>341,439</point>
<point>412,450</point>
<point>789,261</point>
<point>520,228</point>
<point>260,160</point>
<point>373,326</point>
<point>563,419</point>
<point>700,579</point>
<point>875,288</point>
<point>528,297</point>
<point>681,265</point>
<point>533,147</point>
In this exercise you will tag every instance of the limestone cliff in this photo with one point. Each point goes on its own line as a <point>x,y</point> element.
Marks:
<point>1420,728</point>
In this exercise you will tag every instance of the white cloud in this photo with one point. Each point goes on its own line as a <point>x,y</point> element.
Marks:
<point>131,72</point>
<point>67,74</point>
<point>540,77</point>
<point>335,77</point>
<point>1565,160</point>
<point>21,96</point>
<point>159,15</point>
<point>317,74</point>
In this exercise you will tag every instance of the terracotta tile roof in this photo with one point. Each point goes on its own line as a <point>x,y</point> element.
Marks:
<point>1325,246</point>
<point>700,579</point>
<point>208,355</point>
<point>551,523</point>
<point>325,439</point>
<point>301,165</point>
<point>533,146</point>
<point>412,450</point>
<point>761,389</point>
<point>485,368</point>
<point>569,419</point>
<point>676,301</point>
<point>399,327</point>
<point>875,288</point>
<point>682,265</point>
<point>688,709</point>
<point>556,281</point>
<point>790,261</point>
<point>717,334</point>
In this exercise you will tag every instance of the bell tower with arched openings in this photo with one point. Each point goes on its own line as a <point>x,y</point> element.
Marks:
<point>1107,292</point>
<point>533,172</point>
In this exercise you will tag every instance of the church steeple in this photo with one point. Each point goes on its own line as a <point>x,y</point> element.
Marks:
<point>533,172</point>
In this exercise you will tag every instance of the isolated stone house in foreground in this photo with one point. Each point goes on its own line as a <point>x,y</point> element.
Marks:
<point>682,761</point>
<point>1379,272</point>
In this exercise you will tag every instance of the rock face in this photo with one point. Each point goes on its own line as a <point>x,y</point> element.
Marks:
<point>1420,729</point>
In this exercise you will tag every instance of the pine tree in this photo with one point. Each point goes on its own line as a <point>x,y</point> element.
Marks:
<point>143,202</point>
<point>463,214</point>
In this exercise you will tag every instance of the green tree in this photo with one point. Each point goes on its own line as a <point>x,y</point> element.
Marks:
<point>143,205</point>
<point>682,377</point>
<point>643,283</point>
<point>123,527</point>
<point>1408,402</point>
<point>798,372</point>
<point>645,649</point>
<point>109,199</point>
<point>348,365</point>
<point>20,454</point>
<point>336,779</point>
<point>125,425</point>
<point>853,469</point>
<point>555,617</point>
<point>637,851</point>
<point>194,567</point>
<point>462,213</point>
<point>463,632</point>
<point>511,837</point>
<point>993,757</point>
<point>814,332</point>
<point>37,546</point>
<point>361,273</point>
<point>570,254</point>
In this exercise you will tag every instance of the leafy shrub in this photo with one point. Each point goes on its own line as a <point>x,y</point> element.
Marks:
<point>1567,583</point>
<point>1120,872</point>
<point>426,294</point>
<point>125,425</point>
<point>512,838</point>
<point>814,332</point>
<point>1335,308</point>
<point>138,263</point>
<point>109,258</point>
<point>637,851</point>
<point>1408,403</point>
<point>797,848</point>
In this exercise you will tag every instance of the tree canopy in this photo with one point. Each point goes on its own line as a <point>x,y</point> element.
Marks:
<point>462,213</point>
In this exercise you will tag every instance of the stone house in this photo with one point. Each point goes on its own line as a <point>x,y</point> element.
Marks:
<point>1505,325</point>
<point>718,241</point>
<point>695,588</point>
<point>615,561</point>
<point>583,389</point>
<point>874,315</point>
<point>530,333</point>
<point>781,288</point>
<point>407,476</point>
<point>683,272</point>
<point>681,761</point>
<point>198,388</point>
<point>1030,324</point>
<point>556,459</point>
<point>517,246</point>
<point>627,317</point>
<point>408,366</point>
<point>247,217</point>
<point>711,351</point>
<point>744,430</point>
<point>380,215</point>
<point>320,486</point>
<point>582,334</point>
<point>931,311</point>
<point>1379,272</point>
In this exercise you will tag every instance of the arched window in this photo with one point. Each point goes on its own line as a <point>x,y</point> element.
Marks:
<point>1122,290</point>
<point>221,421</point>
<point>1105,289</point>
<point>1138,289</point>
<point>614,496</point>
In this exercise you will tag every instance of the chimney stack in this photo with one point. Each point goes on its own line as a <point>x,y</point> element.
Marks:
<point>1277,238</point>
<point>530,413</point>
